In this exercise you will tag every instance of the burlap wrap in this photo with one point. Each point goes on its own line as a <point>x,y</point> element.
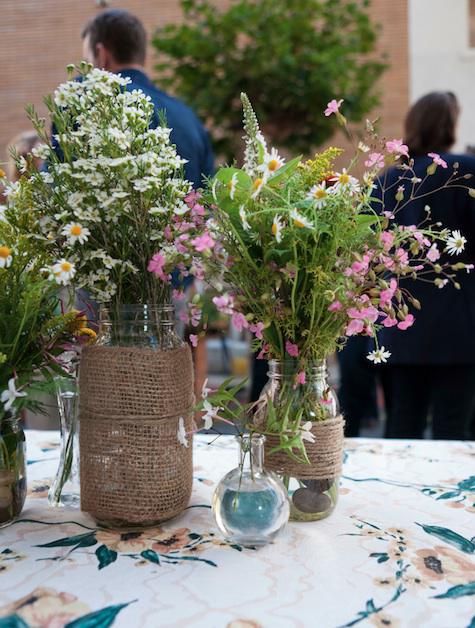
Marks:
<point>325,454</point>
<point>134,471</point>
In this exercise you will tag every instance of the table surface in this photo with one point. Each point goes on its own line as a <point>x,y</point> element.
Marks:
<point>399,550</point>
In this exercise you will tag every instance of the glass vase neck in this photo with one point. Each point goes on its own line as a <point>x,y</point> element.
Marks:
<point>251,452</point>
<point>288,369</point>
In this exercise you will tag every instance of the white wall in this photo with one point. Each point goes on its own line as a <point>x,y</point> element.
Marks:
<point>440,57</point>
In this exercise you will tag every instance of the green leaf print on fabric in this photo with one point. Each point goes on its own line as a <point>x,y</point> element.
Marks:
<point>450,537</point>
<point>79,540</point>
<point>98,619</point>
<point>458,591</point>
<point>151,556</point>
<point>13,621</point>
<point>105,556</point>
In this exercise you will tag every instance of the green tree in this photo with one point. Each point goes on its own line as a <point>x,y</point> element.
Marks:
<point>290,56</point>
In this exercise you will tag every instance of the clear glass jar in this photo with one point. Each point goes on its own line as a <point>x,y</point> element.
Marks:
<point>64,490</point>
<point>250,504</point>
<point>135,411</point>
<point>138,325</point>
<point>311,498</point>
<point>12,469</point>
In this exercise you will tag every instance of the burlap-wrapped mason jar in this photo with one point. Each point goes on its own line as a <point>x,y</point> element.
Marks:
<point>135,398</point>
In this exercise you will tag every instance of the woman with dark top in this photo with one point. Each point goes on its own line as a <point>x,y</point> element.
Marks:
<point>431,371</point>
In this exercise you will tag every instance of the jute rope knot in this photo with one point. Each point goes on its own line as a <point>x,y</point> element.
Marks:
<point>134,471</point>
<point>325,454</point>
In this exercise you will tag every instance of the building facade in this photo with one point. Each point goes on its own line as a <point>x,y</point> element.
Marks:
<point>38,38</point>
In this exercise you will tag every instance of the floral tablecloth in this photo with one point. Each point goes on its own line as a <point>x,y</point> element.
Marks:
<point>398,551</point>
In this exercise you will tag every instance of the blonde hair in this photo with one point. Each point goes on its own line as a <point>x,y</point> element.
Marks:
<point>23,143</point>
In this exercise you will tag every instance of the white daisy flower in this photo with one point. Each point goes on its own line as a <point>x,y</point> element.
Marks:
<point>181,434</point>
<point>10,394</point>
<point>345,182</point>
<point>277,227</point>
<point>299,220</point>
<point>455,243</point>
<point>231,185</point>
<point>243,217</point>
<point>257,186</point>
<point>210,413</point>
<point>272,162</point>
<point>5,256</point>
<point>76,233</point>
<point>379,355</point>
<point>318,194</point>
<point>62,272</point>
<point>306,432</point>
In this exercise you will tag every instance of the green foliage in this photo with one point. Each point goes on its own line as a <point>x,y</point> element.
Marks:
<point>290,56</point>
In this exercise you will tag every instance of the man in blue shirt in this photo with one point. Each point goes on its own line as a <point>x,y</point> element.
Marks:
<point>115,40</point>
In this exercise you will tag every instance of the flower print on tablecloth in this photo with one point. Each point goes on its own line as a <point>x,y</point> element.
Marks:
<point>407,562</point>
<point>48,608</point>
<point>8,558</point>
<point>155,545</point>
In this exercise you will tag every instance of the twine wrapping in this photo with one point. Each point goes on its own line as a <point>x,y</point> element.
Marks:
<point>134,471</point>
<point>325,454</point>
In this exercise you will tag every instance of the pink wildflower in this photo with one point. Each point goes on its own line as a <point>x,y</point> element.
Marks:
<point>194,340</point>
<point>407,322</point>
<point>156,265</point>
<point>257,329</point>
<point>387,239</point>
<point>402,257</point>
<point>223,303</point>
<point>167,232</point>
<point>386,295</point>
<point>388,215</point>
<point>336,306</point>
<point>263,352</point>
<point>333,107</point>
<point>239,321</point>
<point>437,159</point>
<point>192,197</point>
<point>396,147</point>
<point>197,210</point>
<point>300,378</point>
<point>354,327</point>
<point>178,295</point>
<point>203,243</point>
<point>420,237</point>
<point>375,160</point>
<point>433,253</point>
<point>389,322</point>
<point>292,349</point>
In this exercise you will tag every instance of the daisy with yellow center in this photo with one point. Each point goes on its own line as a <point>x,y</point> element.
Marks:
<point>300,221</point>
<point>257,186</point>
<point>345,182</point>
<point>277,227</point>
<point>272,162</point>
<point>243,217</point>
<point>318,194</point>
<point>62,272</point>
<point>231,185</point>
<point>76,233</point>
<point>5,256</point>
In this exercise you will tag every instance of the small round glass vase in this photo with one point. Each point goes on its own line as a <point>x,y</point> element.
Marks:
<point>250,504</point>
<point>12,469</point>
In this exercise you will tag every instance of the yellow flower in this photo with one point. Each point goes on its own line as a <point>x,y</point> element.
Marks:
<point>2,174</point>
<point>299,220</point>
<point>257,186</point>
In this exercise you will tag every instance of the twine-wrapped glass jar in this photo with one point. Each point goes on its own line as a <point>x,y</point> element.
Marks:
<point>312,486</point>
<point>135,400</point>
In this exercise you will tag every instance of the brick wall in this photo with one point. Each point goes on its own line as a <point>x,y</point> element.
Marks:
<point>38,38</point>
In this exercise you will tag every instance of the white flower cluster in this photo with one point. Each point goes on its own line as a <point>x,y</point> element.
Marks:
<point>112,185</point>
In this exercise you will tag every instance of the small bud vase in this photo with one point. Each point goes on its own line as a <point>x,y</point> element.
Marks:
<point>250,504</point>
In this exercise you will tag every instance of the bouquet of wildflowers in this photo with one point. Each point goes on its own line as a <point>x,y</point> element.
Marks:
<point>34,333</point>
<point>304,257</point>
<point>113,190</point>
